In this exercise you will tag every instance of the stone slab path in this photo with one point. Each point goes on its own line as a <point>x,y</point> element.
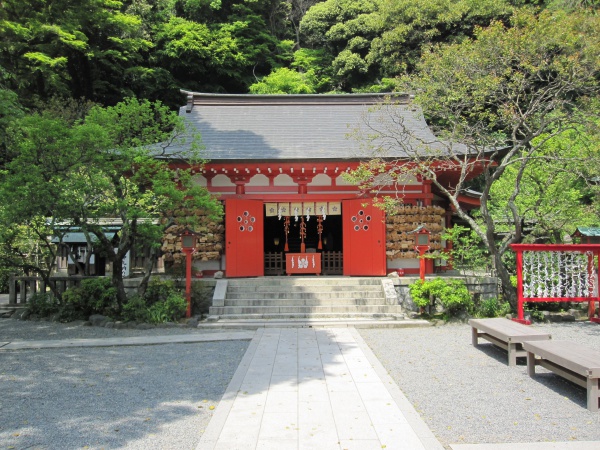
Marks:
<point>303,388</point>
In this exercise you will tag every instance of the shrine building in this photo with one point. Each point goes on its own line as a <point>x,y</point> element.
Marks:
<point>277,164</point>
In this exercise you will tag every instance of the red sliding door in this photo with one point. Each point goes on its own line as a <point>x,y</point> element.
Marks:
<point>364,238</point>
<point>244,251</point>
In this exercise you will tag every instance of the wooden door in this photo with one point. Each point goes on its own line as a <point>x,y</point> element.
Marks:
<point>244,250</point>
<point>364,238</point>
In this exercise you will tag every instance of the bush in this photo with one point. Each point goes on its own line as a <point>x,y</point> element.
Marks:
<point>493,307</point>
<point>161,303</point>
<point>4,278</point>
<point>135,310</point>
<point>169,310</point>
<point>92,296</point>
<point>452,294</point>
<point>158,290</point>
<point>202,296</point>
<point>43,304</point>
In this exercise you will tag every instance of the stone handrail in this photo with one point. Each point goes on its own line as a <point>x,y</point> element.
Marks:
<point>28,286</point>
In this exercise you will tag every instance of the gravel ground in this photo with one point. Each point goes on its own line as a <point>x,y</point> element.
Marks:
<point>159,397</point>
<point>145,397</point>
<point>470,395</point>
<point>12,330</point>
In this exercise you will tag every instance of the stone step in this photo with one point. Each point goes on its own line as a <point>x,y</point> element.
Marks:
<point>233,289</point>
<point>305,302</point>
<point>310,322</point>
<point>304,281</point>
<point>305,310</point>
<point>313,316</point>
<point>349,294</point>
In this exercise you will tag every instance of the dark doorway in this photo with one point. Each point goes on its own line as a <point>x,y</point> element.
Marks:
<point>275,234</point>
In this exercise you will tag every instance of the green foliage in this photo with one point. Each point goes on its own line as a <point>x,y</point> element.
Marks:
<point>158,290</point>
<point>135,310</point>
<point>492,307</point>
<point>368,41</point>
<point>162,302</point>
<point>284,81</point>
<point>451,293</point>
<point>92,296</point>
<point>4,279</point>
<point>468,253</point>
<point>552,207</point>
<point>107,50</point>
<point>509,95</point>
<point>201,297</point>
<point>70,48</point>
<point>78,172</point>
<point>169,310</point>
<point>419,292</point>
<point>43,304</point>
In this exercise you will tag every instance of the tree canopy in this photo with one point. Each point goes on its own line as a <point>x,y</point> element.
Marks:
<point>73,174</point>
<point>104,50</point>
<point>516,81</point>
<point>512,96</point>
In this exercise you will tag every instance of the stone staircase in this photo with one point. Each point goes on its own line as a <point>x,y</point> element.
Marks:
<point>284,298</point>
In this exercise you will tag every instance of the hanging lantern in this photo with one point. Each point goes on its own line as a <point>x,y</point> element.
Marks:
<point>320,231</point>
<point>286,229</point>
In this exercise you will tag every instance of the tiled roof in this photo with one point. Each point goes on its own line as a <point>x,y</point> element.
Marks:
<point>293,127</point>
<point>588,231</point>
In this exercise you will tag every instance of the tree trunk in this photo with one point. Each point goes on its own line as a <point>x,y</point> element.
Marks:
<point>147,272</point>
<point>117,282</point>
<point>510,293</point>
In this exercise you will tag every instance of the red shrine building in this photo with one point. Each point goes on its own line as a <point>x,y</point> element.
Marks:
<point>277,164</point>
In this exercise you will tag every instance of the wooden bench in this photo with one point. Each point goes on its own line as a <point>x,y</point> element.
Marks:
<point>506,334</point>
<point>570,360</point>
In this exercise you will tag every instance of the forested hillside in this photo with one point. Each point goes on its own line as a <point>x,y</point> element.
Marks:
<point>106,50</point>
<point>519,77</point>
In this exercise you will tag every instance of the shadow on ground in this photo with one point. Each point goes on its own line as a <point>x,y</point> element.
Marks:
<point>119,397</point>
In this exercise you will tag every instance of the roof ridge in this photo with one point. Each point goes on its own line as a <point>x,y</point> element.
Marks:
<point>201,98</point>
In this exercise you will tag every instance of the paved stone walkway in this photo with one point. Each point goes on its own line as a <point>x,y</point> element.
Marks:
<point>305,388</point>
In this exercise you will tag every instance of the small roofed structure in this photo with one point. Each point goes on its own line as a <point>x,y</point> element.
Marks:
<point>586,235</point>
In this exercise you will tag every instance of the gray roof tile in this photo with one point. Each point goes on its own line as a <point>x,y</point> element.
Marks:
<point>294,127</point>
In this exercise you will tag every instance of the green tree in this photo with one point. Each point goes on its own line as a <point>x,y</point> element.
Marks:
<point>221,55</point>
<point>115,164</point>
<point>368,41</point>
<point>88,49</point>
<point>557,191</point>
<point>505,95</point>
<point>284,81</point>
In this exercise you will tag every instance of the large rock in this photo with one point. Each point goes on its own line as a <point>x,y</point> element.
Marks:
<point>98,320</point>
<point>21,314</point>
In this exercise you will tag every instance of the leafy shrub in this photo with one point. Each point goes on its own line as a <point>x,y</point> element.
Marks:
<point>158,290</point>
<point>43,304</point>
<point>161,303</point>
<point>420,293</point>
<point>169,310</point>
<point>4,278</point>
<point>455,296</point>
<point>135,310</point>
<point>452,294</point>
<point>92,296</point>
<point>202,296</point>
<point>492,307</point>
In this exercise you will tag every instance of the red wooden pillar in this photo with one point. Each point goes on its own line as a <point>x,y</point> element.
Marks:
<point>188,281</point>
<point>520,314</point>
